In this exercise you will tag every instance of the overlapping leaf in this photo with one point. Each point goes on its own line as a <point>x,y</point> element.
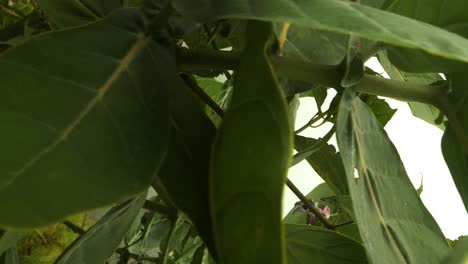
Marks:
<point>68,13</point>
<point>103,238</point>
<point>393,223</point>
<point>249,166</point>
<point>184,173</point>
<point>326,162</point>
<point>80,117</point>
<point>306,244</point>
<point>455,139</point>
<point>450,15</point>
<point>459,254</point>
<point>337,16</point>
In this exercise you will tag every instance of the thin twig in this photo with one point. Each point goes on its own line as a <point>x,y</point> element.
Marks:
<point>312,121</point>
<point>192,84</point>
<point>309,205</point>
<point>76,229</point>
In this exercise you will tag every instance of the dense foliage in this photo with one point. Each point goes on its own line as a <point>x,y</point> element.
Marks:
<point>175,118</point>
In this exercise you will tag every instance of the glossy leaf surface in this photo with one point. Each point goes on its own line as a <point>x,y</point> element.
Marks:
<point>394,224</point>
<point>91,121</point>
<point>249,166</point>
<point>338,16</point>
<point>307,244</point>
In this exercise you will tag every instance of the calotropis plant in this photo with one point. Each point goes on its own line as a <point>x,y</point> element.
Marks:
<point>120,105</point>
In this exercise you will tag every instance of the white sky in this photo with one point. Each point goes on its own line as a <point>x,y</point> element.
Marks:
<point>418,144</point>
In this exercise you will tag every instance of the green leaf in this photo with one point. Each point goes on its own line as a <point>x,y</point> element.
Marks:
<point>450,15</point>
<point>158,231</point>
<point>68,13</point>
<point>184,173</point>
<point>103,238</point>
<point>315,46</point>
<point>353,63</point>
<point>336,16</point>
<point>8,239</point>
<point>249,166</point>
<point>454,243</point>
<point>394,224</point>
<point>91,121</point>
<point>425,112</point>
<point>455,140</point>
<point>326,162</point>
<point>306,244</point>
<point>294,105</point>
<point>10,256</point>
<point>381,109</point>
<point>318,92</point>
<point>459,254</point>
<point>212,87</point>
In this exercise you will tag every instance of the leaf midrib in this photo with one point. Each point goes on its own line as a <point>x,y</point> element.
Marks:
<point>371,190</point>
<point>140,43</point>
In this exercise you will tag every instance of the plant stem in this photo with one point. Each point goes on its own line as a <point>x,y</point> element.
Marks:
<point>192,84</point>
<point>202,59</point>
<point>309,205</point>
<point>76,229</point>
<point>405,91</point>
<point>326,75</point>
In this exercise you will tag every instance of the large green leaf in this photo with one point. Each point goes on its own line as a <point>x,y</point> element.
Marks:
<point>103,238</point>
<point>455,139</point>
<point>67,13</point>
<point>450,15</point>
<point>310,244</point>
<point>423,111</point>
<point>338,16</point>
<point>393,223</point>
<point>459,254</point>
<point>249,166</point>
<point>381,109</point>
<point>315,46</point>
<point>184,173</point>
<point>326,162</point>
<point>79,116</point>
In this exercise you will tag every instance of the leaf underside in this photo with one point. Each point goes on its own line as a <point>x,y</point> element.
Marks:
<point>394,224</point>
<point>81,117</point>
